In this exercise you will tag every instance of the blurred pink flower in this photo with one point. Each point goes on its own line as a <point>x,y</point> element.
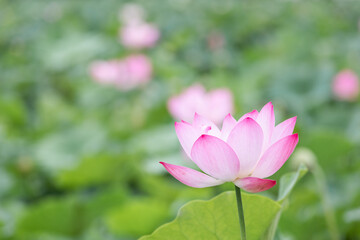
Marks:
<point>139,35</point>
<point>243,152</point>
<point>213,105</point>
<point>346,85</point>
<point>137,70</point>
<point>125,74</point>
<point>105,72</point>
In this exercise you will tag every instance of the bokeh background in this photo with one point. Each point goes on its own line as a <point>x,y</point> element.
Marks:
<point>79,153</point>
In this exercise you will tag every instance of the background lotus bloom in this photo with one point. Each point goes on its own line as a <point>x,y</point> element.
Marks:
<point>137,70</point>
<point>139,35</point>
<point>243,152</point>
<point>126,74</point>
<point>213,105</point>
<point>105,72</point>
<point>346,85</point>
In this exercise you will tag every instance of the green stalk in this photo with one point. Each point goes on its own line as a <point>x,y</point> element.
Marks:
<point>240,212</point>
<point>329,211</point>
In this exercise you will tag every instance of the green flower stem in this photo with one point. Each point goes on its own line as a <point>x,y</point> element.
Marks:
<point>329,211</point>
<point>241,213</point>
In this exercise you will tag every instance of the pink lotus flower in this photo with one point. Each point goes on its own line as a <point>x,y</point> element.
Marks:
<point>139,35</point>
<point>125,74</point>
<point>243,152</point>
<point>213,105</point>
<point>105,72</point>
<point>137,70</point>
<point>346,85</point>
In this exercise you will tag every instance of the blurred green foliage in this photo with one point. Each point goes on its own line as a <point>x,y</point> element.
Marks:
<point>80,161</point>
